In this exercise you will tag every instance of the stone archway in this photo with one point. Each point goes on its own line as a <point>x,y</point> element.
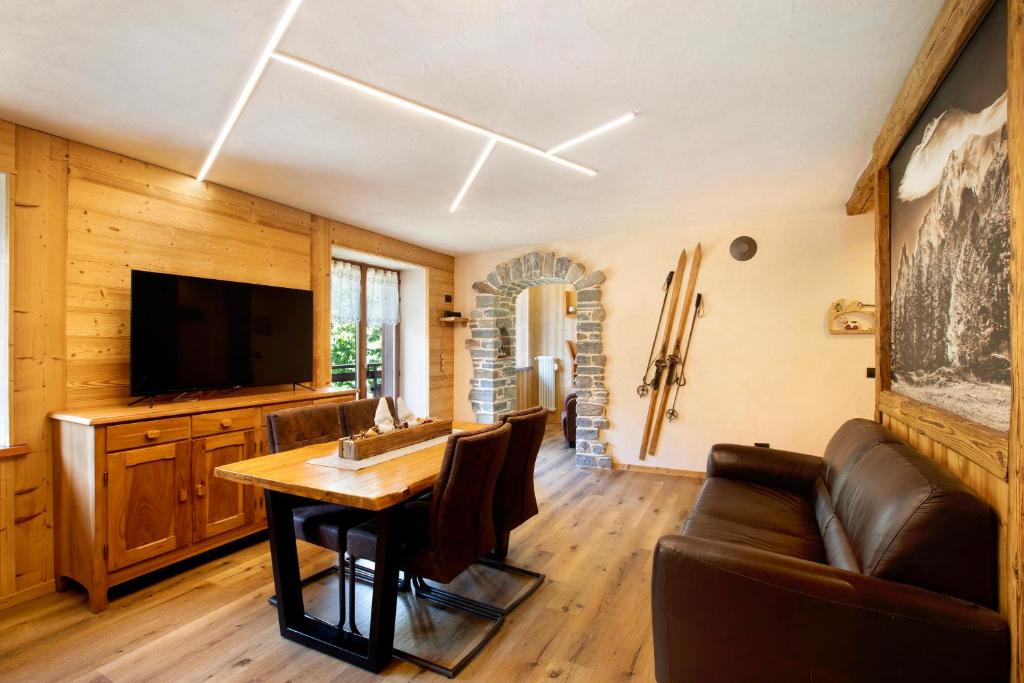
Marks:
<point>492,328</point>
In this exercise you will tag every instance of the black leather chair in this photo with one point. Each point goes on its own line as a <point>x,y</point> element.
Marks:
<point>445,535</point>
<point>324,525</point>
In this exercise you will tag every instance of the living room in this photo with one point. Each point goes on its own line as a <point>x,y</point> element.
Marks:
<point>511,341</point>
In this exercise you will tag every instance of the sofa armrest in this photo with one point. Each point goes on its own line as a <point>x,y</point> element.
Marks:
<point>724,612</point>
<point>779,469</point>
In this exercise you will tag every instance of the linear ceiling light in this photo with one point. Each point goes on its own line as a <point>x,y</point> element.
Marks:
<point>557,148</point>
<point>481,160</point>
<point>359,86</point>
<point>250,85</point>
<point>593,133</point>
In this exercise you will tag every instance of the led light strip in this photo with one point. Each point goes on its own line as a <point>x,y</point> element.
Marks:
<point>481,160</point>
<point>615,123</point>
<point>250,85</point>
<point>344,80</point>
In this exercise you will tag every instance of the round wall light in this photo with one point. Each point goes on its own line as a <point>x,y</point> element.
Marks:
<point>743,248</point>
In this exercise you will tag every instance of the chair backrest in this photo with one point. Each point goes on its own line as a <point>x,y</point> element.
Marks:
<point>461,524</point>
<point>296,427</point>
<point>357,416</point>
<point>515,500</point>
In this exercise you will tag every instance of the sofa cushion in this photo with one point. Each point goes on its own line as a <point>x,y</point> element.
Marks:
<point>756,516</point>
<point>911,521</point>
<point>852,440</point>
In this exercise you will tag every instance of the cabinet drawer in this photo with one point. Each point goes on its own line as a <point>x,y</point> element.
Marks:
<point>266,410</point>
<point>146,433</point>
<point>223,421</point>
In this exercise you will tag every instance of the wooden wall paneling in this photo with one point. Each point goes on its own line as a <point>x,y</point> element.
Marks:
<point>7,146</point>
<point>38,234</point>
<point>320,282</point>
<point>883,275</point>
<point>952,29</point>
<point>125,214</point>
<point>1015,450</point>
<point>548,335</point>
<point>441,344</point>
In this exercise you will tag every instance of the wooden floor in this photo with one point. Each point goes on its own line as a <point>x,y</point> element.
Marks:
<point>590,621</point>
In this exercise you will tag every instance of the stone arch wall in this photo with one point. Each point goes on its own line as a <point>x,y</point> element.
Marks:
<point>492,329</point>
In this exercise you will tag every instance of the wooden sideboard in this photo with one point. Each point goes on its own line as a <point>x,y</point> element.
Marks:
<point>135,489</point>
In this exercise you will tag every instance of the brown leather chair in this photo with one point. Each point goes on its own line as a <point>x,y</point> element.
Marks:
<point>445,535</point>
<point>324,524</point>
<point>870,564</point>
<point>515,500</point>
<point>357,416</point>
<point>569,420</point>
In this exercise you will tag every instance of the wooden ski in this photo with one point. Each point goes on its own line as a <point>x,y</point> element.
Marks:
<point>660,362</point>
<point>674,360</point>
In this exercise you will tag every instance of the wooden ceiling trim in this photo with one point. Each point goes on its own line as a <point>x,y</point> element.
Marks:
<point>952,29</point>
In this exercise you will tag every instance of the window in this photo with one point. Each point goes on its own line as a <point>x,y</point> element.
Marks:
<point>364,323</point>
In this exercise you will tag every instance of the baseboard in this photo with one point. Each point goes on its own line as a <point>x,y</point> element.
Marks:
<point>651,469</point>
<point>27,594</point>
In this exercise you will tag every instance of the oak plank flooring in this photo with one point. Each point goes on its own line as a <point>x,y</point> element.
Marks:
<point>590,621</point>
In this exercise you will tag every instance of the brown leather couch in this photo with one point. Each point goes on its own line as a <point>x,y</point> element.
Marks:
<point>869,564</point>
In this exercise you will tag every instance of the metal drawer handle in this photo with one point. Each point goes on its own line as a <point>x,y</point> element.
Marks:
<point>153,434</point>
<point>226,422</point>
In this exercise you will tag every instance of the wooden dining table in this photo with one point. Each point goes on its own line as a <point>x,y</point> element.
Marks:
<point>290,481</point>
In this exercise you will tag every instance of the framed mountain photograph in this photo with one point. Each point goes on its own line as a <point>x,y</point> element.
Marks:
<point>950,240</point>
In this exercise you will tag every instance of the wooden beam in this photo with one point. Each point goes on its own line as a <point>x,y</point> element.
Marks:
<point>320,283</point>
<point>980,444</point>
<point>351,237</point>
<point>883,274</point>
<point>952,29</point>
<point>7,162</point>
<point>1015,450</point>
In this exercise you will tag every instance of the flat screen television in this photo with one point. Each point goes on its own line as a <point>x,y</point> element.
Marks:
<point>190,333</point>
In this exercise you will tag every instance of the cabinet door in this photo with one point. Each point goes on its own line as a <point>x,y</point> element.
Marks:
<point>220,505</point>
<point>147,503</point>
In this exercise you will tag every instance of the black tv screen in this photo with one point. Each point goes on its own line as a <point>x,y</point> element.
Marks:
<point>190,333</point>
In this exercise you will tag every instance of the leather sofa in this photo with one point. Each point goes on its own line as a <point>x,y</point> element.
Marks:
<point>871,563</point>
<point>569,420</point>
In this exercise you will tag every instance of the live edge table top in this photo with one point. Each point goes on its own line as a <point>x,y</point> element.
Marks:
<point>373,488</point>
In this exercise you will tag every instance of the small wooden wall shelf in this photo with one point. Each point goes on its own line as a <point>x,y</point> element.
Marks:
<point>454,321</point>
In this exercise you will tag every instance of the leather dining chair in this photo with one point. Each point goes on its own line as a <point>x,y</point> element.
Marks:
<point>357,416</point>
<point>445,535</point>
<point>323,524</point>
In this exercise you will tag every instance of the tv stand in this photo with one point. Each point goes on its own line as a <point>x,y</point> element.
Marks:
<point>174,447</point>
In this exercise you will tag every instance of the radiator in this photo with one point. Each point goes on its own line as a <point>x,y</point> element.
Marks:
<point>547,367</point>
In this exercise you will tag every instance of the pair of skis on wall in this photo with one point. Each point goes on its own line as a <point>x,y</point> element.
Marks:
<point>665,372</point>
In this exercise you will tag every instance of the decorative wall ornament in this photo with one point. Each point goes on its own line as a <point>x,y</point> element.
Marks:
<point>949,240</point>
<point>743,248</point>
<point>492,325</point>
<point>847,316</point>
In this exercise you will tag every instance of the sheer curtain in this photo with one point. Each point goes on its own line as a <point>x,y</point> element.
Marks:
<point>381,297</point>
<point>345,294</point>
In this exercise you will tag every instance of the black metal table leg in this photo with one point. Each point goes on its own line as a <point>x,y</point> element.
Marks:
<point>372,653</point>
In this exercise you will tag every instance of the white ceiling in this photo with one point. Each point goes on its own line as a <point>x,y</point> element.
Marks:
<point>748,107</point>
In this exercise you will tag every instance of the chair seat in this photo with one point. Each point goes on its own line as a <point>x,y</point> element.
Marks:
<point>362,539</point>
<point>325,525</point>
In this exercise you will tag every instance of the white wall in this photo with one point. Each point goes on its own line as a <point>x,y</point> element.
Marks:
<point>762,366</point>
<point>415,383</point>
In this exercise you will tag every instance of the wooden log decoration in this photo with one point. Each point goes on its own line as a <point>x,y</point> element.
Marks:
<point>375,444</point>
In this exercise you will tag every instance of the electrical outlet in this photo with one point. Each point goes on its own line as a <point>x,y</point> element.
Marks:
<point>871,373</point>
<point>762,444</point>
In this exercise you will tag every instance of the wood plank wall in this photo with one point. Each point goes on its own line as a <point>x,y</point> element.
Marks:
<point>80,219</point>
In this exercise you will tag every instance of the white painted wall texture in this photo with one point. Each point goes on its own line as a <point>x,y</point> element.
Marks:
<point>762,366</point>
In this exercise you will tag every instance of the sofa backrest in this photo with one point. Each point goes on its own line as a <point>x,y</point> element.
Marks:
<point>852,440</point>
<point>909,520</point>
